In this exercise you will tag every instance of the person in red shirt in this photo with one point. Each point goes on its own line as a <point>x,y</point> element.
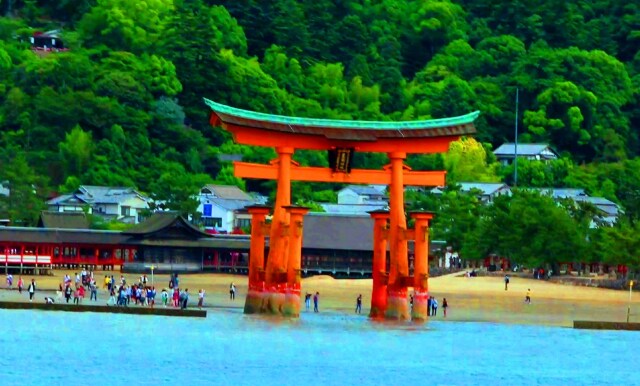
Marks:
<point>81,293</point>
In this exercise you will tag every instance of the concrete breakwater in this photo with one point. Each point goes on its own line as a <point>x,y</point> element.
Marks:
<point>104,309</point>
<point>602,325</point>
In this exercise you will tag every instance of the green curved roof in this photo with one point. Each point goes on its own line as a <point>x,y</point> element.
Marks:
<point>341,124</point>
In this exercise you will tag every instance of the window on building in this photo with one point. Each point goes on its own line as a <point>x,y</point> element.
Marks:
<point>243,223</point>
<point>125,211</point>
<point>212,222</point>
<point>207,210</point>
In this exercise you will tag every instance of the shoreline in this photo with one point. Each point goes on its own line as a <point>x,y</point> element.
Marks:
<point>477,299</point>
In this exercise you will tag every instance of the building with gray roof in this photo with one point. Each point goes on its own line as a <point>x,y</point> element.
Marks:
<point>111,203</point>
<point>506,153</point>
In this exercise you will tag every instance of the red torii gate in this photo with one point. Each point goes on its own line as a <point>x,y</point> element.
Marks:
<point>276,288</point>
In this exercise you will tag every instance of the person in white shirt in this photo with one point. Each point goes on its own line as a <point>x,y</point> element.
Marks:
<point>200,298</point>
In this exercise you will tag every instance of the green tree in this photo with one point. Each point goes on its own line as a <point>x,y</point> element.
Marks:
<point>124,25</point>
<point>467,161</point>
<point>26,190</point>
<point>76,151</point>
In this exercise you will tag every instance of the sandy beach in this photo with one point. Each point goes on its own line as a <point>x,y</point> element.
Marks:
<point>470,299</point>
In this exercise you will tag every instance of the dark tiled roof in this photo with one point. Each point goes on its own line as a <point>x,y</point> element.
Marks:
<point>162,220</point>
<point>332,231</point>
<point>58,236</point>
<point>63,220</point>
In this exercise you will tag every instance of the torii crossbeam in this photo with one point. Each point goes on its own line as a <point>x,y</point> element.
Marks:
<point>275,288</point>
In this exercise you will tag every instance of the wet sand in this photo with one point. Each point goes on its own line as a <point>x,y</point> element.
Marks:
<point>470,299</point>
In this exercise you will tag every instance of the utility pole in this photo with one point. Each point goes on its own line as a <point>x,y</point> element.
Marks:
<point>515,158</point>
<point>629,306</point>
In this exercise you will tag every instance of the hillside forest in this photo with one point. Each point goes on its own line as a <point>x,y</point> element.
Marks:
<point>122,104</point>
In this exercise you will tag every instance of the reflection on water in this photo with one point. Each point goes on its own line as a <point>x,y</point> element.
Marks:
<point>318,349</point>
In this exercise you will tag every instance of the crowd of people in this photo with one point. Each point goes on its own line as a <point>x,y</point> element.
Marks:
<point>143,294</point>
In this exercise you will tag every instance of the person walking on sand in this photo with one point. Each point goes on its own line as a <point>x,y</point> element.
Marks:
<point>93,287</point>
<point>316,297</point>
<point>185,298</point>
<point>81,294</point>
<point>307,301</point>
<point>200,298</point>
<point>359,304</point>
<point>20,284</point>
<point>435,306</point>
<point>67,292</point>
<point>444,306</point>
<point>527,298</point>
<point>232,292</point>
<point>506,282</point>
<point>112,297</point>
<point>9,281</point>
<point>32,289</point>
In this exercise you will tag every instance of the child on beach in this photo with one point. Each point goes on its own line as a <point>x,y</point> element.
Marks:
<point>20,284</point>
<point>76,296</point>
<point>316,297</point>
<point>444,306</point>
<point>9,281</point>
<point>359,304</point>
<point>527,298</point>
<point>142,293</point>
<point>165,297</point>
<point>151,296</point>
<point>232,292</point>
<point>176,297</point>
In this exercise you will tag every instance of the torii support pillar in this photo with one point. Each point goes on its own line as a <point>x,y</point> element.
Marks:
<point>276,269</point>
<point>397,302</point>
<point>420,311</point>
<point>292,291</point>
<point>253,303</point>
<point>379,269</point>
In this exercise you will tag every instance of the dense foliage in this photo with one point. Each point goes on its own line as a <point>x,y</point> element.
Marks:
<point>123,106</point>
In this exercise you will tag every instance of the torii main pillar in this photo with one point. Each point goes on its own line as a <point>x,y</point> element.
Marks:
<point>397,301</point>
<point>379,266</point>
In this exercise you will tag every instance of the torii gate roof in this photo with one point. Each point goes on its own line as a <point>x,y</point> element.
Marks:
<point>344,130</point>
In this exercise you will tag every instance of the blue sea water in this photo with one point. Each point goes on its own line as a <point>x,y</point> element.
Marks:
<point>229,348</point>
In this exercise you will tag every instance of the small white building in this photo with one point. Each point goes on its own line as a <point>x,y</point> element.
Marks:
<point>362,194</point>
<point>506,153</point>
<point>120,203</point>
<point>221,207</point>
